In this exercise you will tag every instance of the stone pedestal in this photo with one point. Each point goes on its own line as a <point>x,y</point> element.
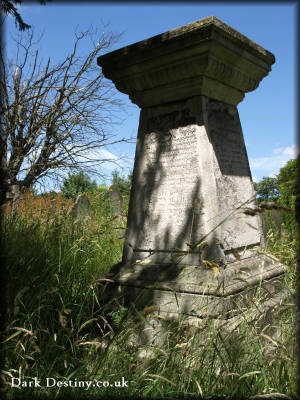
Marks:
<point>193,235</point>
<point>192,186</point>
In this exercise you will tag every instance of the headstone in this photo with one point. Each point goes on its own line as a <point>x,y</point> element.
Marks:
<point>193,237</point>
<point>116,199</point>
<point>276,214</point>
<point>53,205</point>
<point>81,208</point>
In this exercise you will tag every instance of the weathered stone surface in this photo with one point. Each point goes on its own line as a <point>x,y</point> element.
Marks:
<point>193,234</point>
<point>116,199</point>
<point>53,205</point>
<point>81,208</point>
<point>264,312</point>
<point>227,280</point>
<point>196,291</point>
<point>191,183</point>
<point>205,57</point>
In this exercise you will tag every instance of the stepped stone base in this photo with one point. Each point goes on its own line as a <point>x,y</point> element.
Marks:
<point>200,291</point>
<point>265,314</point>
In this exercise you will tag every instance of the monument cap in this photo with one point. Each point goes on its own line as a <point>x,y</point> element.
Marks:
<point>206,57</point>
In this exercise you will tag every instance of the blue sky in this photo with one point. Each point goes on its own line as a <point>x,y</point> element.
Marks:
<point>268,115</point>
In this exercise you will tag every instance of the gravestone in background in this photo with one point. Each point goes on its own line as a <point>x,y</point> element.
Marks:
<point>81,207</point>
<point>116,199</point>
<point>53,206</point>
<point>193,240</point>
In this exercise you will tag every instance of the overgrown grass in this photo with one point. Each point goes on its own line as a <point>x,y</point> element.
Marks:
<point>55,327</point>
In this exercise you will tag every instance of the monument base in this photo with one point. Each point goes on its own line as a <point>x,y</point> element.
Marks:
<point>158,328</point>
<point>205,291</point>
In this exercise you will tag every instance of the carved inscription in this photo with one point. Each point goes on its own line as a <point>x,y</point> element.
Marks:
<point>173,154</point>
<point>192,179</point>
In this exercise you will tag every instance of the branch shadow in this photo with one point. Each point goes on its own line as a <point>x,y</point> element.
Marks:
<point>174,246</point>
<point>166,224</point>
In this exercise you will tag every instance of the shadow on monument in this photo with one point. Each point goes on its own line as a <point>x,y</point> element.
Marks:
<point>225,134</point>
<point>174,262</point>
<point>175,246</point>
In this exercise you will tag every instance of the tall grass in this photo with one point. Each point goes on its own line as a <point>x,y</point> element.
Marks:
<point>51,262</point>
<point>56,328</point>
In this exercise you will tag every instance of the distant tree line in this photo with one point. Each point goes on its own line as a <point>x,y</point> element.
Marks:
<point>75,184</point>
<point>283,189</point>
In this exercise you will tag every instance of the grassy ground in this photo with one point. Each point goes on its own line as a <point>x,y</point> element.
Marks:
<point>56,329</point>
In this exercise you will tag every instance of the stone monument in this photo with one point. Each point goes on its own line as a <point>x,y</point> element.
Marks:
<point>116,199</point>
<point>194,239</point>
<point>81,207</point>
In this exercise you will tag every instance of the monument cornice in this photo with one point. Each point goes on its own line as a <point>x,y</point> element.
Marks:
<point>206,57</point>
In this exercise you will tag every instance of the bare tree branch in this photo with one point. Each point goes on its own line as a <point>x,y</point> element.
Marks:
<point>54,115</point>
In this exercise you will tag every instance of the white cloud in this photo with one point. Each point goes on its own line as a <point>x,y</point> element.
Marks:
<point>107,160</point>
<point>107,155</point>
<point>270,165</point>
<point>289,151</point>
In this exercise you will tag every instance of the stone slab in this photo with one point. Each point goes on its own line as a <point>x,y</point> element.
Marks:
<point>116,199</point>
<point>81,207</point>
<point>264,312</point>
<point>227,280</point>
<point>227,295</point>
<point>206,57</point>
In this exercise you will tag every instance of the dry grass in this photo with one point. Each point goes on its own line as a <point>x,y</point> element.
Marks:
<point>56,328</point>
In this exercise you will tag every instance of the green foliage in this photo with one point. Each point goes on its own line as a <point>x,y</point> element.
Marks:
<point>76,184</point>
<point>122,183</point>
<point>102,187</point>
<point>118,316</point>
<point>267,189</point>
<point>289,174</point>
<point>289,185</point>
<point>284,190</point>
<point>51,193</point>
